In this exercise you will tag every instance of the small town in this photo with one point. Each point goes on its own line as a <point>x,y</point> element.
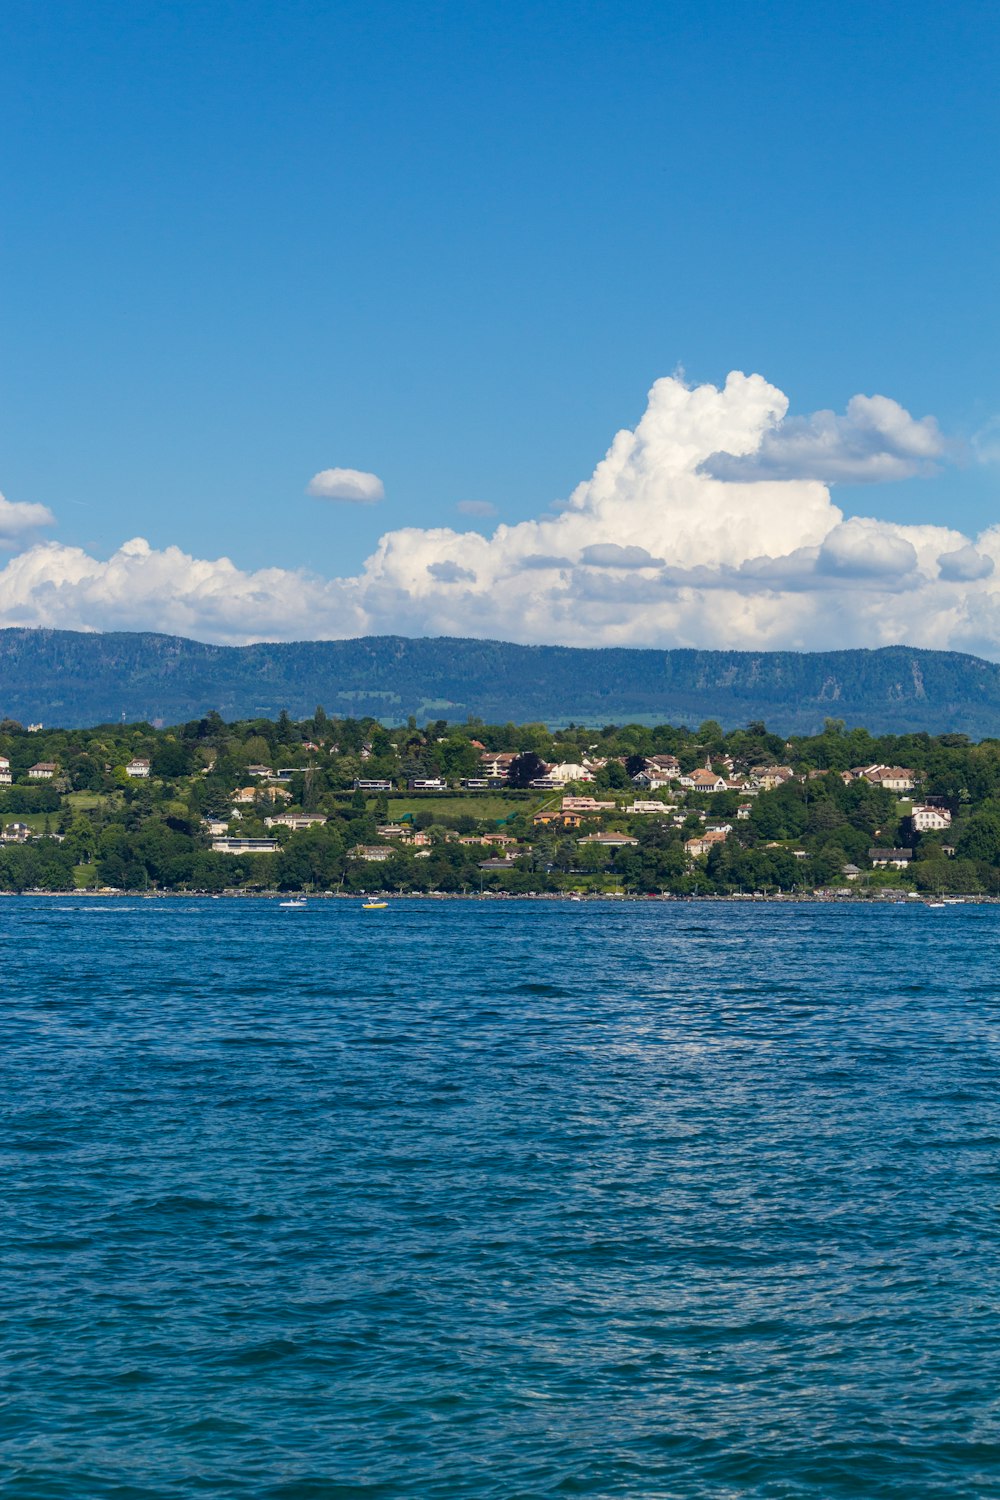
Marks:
<point>342,806</point>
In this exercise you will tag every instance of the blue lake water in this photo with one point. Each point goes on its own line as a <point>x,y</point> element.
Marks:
<point>498,1200</point>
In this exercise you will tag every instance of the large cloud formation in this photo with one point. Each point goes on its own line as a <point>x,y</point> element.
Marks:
<point>710,524</point>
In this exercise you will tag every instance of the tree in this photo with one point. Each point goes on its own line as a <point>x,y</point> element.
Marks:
<point>525,768</point>
<point>980,839</point>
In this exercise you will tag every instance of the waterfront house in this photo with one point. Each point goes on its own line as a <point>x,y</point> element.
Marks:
<point>890,859</point>
<point>702,842</point>
<point>373,853</point>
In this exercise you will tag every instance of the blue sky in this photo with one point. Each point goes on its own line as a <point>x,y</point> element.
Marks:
<point>454,245</point>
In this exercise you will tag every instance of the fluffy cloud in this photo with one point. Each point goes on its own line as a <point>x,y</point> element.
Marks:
<point>658,547</point>
<point>864,549</point>
<point>875,440</point>
<point>142,589</point>
<point>353,485</point>
<point>19,519</point>
<point>964,565</point>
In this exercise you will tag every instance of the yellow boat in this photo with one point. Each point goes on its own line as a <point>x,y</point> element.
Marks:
<point>374,905</point>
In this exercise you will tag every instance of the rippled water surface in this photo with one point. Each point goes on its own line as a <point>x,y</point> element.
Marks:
<point>499,1200</point>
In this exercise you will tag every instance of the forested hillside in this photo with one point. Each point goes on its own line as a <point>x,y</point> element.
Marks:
<point>346,805</point>
<point>73,679</point>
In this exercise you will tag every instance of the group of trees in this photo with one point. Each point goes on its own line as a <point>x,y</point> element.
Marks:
<point>151,833</point>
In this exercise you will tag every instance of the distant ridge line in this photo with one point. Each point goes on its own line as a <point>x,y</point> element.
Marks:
<point>77,678</point>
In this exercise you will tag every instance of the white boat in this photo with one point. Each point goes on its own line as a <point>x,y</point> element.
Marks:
<point>298,902</point>
<point>374,905</point>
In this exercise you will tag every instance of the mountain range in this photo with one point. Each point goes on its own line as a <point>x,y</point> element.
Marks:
<point>73,679</point>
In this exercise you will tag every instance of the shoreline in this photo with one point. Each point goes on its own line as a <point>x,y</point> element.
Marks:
<point>895,898</point>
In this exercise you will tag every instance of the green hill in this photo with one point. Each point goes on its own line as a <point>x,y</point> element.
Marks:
<point>74,679</point>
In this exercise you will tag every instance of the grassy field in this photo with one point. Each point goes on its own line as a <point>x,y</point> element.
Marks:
<point>85,876</point>
<point>85,801</point>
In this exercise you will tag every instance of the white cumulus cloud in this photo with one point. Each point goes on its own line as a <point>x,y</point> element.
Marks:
<point>353,485</point>
<point>19,519</point>
<point>708,524</point>
<point>875,440</point>
<point>964,565</point>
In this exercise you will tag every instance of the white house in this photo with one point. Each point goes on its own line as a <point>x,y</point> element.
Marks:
<point>927,818</point>
<point>890,859</point>
<point>137,767</point>
<point>568,771</point>
<point>5,774</point>
<point>43,771</point>
<point>704,781</point>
